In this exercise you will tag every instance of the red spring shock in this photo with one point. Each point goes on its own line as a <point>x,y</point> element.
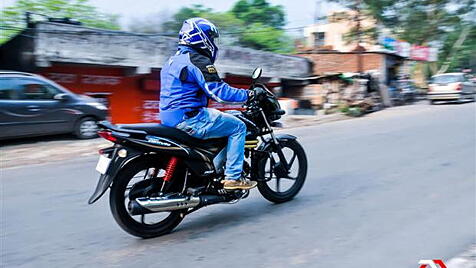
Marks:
<point>169,172</point>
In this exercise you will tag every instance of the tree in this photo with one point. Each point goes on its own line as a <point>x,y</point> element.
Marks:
<point>12,18</point>
<point>259,11</point>
<point>173,26</point>
<point>266,38</point>
<point>150,24</point>
<point>255,24</point>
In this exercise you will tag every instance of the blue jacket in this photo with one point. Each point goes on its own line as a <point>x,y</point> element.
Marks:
<point>187,80</point>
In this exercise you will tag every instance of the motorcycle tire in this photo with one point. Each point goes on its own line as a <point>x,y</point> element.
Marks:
<point>121,214</point>
<point>281,197</point>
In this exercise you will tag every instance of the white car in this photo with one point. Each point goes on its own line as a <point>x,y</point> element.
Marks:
<point>451,87</point>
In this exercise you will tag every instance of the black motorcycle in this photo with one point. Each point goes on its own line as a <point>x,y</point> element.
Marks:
<point>158,174</point>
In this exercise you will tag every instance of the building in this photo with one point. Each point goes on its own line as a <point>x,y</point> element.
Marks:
<point>382,65</point>
<point>122,69</point>
<point>331,35</point>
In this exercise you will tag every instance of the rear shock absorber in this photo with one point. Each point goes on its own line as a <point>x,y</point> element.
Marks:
<point>169,172</point>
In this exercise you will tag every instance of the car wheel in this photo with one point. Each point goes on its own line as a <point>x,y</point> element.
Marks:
<point>86,128</point>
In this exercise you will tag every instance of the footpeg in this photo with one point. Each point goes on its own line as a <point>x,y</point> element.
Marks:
<point>195,191</point>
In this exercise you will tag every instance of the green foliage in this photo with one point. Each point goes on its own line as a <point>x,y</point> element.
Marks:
<point>267,38</point>
<point>173,26</point>
<point>254,23</point>
<point>12,18</point>
<point>259,11</point>
<point>464,56</point>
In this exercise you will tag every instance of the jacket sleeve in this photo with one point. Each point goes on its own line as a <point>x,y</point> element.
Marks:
<point>207,78</point>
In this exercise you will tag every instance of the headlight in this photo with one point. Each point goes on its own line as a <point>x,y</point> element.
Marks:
<point>97,105</point>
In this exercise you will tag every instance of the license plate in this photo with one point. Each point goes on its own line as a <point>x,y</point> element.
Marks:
<point>103,164</point>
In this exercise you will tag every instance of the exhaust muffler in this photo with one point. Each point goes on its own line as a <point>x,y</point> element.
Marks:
<point>145,205</point>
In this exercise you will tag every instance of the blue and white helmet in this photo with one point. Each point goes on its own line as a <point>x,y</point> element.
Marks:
<point>200,34</point>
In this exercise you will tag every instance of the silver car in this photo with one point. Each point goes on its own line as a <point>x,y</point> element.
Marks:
<point>451,87</point>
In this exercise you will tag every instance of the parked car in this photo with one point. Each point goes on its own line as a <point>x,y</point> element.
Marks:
<point>31,105</point>
<point>451,87</point>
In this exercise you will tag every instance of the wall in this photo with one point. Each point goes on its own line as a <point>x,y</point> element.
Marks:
<point>342,62</point>
<point>68,43</point>
<point>128,101</point>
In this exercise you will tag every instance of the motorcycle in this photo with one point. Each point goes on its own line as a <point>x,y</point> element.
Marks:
<point>157,174</point>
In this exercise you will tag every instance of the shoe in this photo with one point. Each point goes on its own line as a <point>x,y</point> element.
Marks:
<point>242,184</point>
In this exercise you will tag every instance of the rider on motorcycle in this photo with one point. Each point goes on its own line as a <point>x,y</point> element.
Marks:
<point>188,80</point>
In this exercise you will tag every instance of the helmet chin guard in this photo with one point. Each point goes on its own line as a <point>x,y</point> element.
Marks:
<point>200,34</point>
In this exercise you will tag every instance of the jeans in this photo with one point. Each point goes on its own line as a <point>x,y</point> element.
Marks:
<point>211,123</point>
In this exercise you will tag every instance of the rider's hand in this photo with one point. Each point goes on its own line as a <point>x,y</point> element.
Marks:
<point>257,93</point>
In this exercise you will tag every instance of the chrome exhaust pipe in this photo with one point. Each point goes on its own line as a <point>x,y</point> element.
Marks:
<point>145,205</point>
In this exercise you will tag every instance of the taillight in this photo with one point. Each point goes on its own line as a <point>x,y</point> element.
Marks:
<point>107,135</point>
<point>459,86</point>
<point>429,88</point>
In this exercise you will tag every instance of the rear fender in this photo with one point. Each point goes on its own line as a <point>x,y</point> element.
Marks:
<point>105,180</point>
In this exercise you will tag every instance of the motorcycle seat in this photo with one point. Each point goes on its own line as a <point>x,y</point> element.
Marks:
<point>175,135</point>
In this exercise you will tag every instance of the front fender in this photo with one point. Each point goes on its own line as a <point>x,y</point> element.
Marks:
<point>263,152</point>
<point>279,137</point>
<point>105,180</point>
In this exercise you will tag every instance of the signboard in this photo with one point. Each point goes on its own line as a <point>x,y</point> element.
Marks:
<point>421,53</point>
<point>403,49</point>
<point>407,50</point>
<point>389,44</point>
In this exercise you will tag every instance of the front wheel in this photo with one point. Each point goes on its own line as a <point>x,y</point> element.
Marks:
<point>278,185</point>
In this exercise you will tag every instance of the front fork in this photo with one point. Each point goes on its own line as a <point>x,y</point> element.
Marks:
<point>281,168</point>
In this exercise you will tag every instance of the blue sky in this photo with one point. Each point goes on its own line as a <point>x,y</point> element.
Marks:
<point>299,12</point>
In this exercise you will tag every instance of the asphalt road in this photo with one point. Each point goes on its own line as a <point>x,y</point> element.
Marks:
<point>385,190</point>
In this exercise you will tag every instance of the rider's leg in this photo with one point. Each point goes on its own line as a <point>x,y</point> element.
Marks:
<point>212,123</point>
<point>226,125</point>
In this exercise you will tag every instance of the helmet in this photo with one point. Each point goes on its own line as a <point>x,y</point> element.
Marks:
<point>200,34</point>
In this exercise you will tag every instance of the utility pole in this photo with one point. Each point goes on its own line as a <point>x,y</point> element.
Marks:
<point>359,36</point>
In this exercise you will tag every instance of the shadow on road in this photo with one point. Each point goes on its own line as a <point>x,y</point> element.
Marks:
<point>240,219</point>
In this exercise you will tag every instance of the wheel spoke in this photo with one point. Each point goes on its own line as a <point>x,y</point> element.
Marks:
<point>146,173</point>
<point>290,164</point>
<point>142,218</point>
<point>277,184</point>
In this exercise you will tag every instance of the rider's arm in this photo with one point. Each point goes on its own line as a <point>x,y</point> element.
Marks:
<point>205,74</point>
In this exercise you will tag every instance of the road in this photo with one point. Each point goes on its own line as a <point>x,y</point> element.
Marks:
<point>385,190</point>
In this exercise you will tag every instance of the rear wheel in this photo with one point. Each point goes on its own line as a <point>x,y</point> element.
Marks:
<point>277,186</point>
<point>148,225</point>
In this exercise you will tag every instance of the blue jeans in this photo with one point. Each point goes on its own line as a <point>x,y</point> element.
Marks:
<point>211,123</point>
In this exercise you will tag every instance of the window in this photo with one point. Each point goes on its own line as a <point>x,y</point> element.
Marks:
<point>26,89</point>
<point>37,90</point>
<point>319,39</point>
<point>8,89</point>
<point>447,78</point>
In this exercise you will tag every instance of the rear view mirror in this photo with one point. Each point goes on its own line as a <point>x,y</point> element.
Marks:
<point>62,97</point>
<point>257,73</point>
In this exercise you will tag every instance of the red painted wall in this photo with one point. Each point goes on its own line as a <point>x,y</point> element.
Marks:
<point>131,99</point>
